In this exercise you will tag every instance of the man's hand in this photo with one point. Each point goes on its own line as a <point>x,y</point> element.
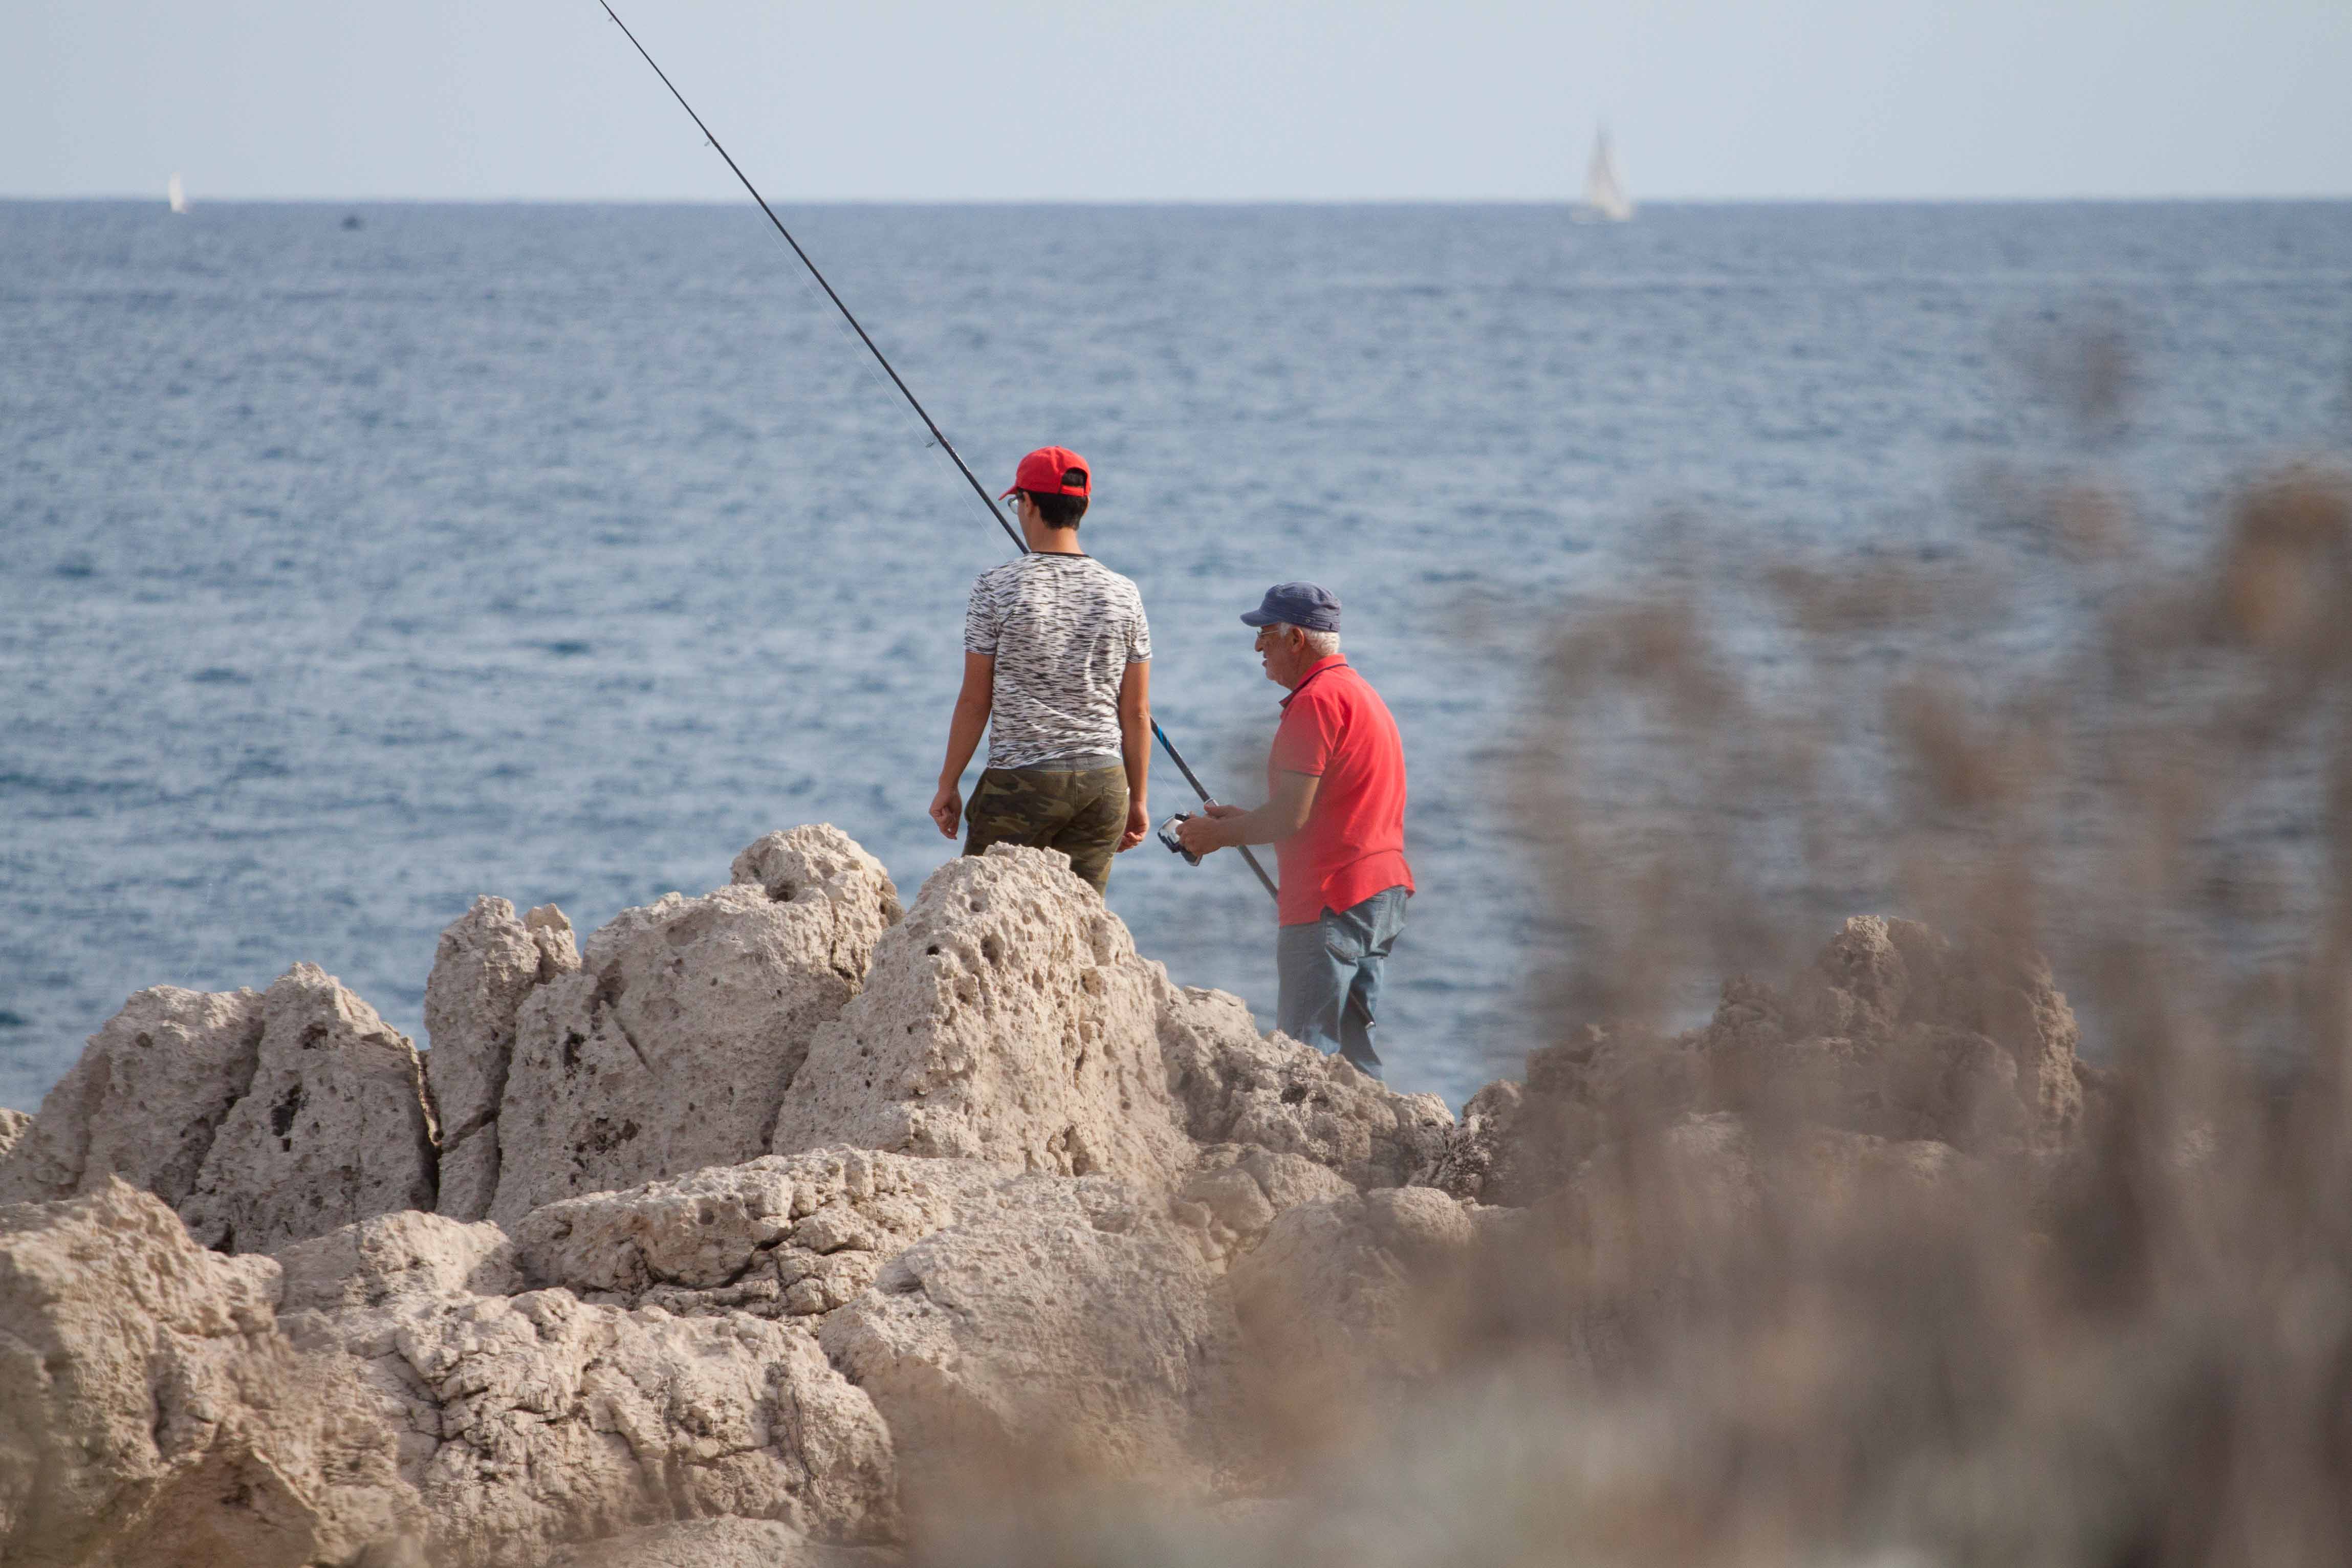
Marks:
<point>1138,825</point>
<point>1205,833</point>
<point>946,809</point>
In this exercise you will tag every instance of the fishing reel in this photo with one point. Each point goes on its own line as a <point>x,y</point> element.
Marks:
<point>1168,837</point>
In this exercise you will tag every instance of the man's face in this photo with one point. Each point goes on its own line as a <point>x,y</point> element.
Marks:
<point>1282,652</point>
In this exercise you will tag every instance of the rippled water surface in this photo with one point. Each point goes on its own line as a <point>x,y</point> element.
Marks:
<point>559,552</point>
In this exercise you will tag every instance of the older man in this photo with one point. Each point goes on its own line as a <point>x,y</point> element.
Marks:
<point>1335,814</point>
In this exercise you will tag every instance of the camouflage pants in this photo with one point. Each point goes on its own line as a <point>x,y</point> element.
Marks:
<point>1082,815</point>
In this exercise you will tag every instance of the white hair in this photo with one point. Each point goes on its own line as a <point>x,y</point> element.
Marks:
<point>1322,645</point>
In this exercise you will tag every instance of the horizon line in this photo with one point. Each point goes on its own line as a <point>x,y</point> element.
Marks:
<point>198,198</point>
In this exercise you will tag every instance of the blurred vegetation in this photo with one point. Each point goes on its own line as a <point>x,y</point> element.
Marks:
<point>1711,1337</point>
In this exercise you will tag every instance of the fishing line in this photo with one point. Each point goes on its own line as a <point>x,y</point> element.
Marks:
<point>906,392</point>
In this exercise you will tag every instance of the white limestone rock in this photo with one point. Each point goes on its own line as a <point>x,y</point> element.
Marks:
<point>1237,1086</point>
<point>1711,1176</point>
<point>783,1235</point>
<point>14,1125</point>
<point>672,1046</point>
<point>1007,1019</point>
<point>405,1254</point>
<point>487,963</point>
<point>144,1100</point>
<point>1074,1333</point>
<point>720,1543</point>
<point>1344,1304</point>
<point>1239,1189</point>
<point>821,859</point>
<point>151,1413</point>
<point>333,1129</point>
<point>535,1420</point>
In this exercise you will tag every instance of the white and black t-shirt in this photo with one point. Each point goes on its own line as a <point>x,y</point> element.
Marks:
<point>1063,629</point>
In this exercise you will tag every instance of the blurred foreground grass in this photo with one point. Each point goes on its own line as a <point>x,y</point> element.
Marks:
<point>2121,1337</point>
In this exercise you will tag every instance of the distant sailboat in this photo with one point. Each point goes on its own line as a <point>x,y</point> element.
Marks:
<point>177,194</point>
<point>1604,194</point>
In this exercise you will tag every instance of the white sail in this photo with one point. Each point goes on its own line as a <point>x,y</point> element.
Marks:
<point>177,194</point>
<point>1604,193</point>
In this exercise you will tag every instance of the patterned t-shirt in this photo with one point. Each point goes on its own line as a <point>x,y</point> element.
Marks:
<point>1063,629</point>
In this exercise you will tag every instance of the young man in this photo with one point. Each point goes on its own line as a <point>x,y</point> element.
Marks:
<point>1335,814</point>
<point>1057,669</point>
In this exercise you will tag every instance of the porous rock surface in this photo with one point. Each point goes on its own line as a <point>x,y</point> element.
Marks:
<point>719,1544</point>
<point>1891,1032</point>
<point>1710,1188</point>
<point>532,1420</point>
<point>486,963</point>
<point>1071,1332</point>
<point>1342,1296</point>
<point>333,1128</point>
<point>672,1046</point>
<point>992,1228</point>
<point>1237,1086</point>
<point>810,1214</point>
<point>1006,1019</point>
<point>1238,1190</point>
<point>143,1100</point>
<point>151,1413</point>
<point>783,1235</point>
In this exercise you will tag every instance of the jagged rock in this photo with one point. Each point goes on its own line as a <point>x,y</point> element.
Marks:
<point>14,1125</point>
<point>153,1416</point>
<point>672,1046</point>
<point>406,1254</point>
<point>143,1100</point>
<point>823,859</point>
<point>1237,1086</point>
<point>533,1420</point>
<point>487,963</point>
<point>1074,1333</point>
<point>1008,1019</point>
<point>1932,1008</point>
<point>1238,1189</point>
<point>1421,1226</point>
<point>719,1544</point>
<point>781,1236</point>
<point>1343,1298</point>
<point>1709,1176</point>
<point>333,1129</point>
<point>1891,1032</point>
<point>1481,1157</point>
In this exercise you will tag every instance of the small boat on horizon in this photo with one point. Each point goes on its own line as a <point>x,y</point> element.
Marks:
<point>176,193</point>
<point>1605,200</point>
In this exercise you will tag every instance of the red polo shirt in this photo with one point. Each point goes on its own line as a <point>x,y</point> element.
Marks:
<point>1335,726</point>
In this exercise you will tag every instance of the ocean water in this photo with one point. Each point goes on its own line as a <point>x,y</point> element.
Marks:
<point>559,552</point>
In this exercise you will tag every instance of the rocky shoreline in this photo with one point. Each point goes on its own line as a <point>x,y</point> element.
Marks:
<point>769,1223</point>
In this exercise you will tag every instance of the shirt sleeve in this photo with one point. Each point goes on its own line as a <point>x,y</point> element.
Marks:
<point>982,619</point>
<point>1139,636</point>
<point>1310,734</point>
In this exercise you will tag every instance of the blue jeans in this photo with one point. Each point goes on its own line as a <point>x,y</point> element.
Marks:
<point>1330,971</point>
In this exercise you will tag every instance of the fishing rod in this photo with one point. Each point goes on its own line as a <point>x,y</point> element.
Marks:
<point>907,393</point>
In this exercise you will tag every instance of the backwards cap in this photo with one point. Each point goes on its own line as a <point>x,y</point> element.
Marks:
<point>1051,471</point>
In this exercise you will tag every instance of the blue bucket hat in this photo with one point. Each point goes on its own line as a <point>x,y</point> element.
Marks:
<point>1301,605</point>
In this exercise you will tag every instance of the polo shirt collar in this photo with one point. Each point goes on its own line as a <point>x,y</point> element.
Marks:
<point>1318,668</point>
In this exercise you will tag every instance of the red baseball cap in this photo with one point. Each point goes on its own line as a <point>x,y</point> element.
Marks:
<point>1051,471</point>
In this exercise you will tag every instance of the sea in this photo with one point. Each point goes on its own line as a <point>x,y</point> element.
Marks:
<point>356,560</point>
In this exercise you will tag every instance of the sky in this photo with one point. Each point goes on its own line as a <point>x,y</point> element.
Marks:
<point>1115,100</point>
